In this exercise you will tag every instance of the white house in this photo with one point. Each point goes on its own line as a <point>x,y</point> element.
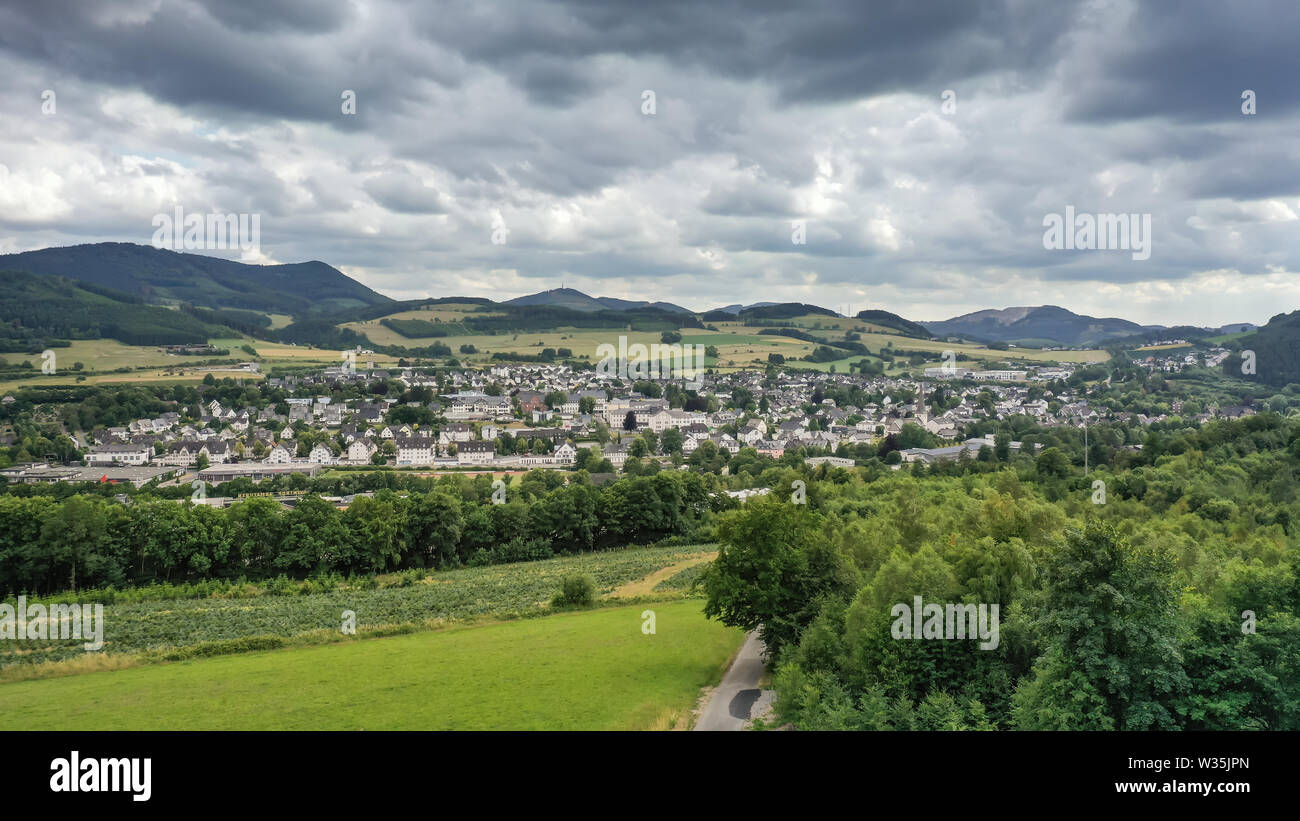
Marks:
<point>475,453</point>
<point>361,451</point>
<point>565,453</point>
<point>414,451</point>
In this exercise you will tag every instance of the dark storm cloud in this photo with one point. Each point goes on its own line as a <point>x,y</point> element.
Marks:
<point>812,52</point>
<point>314,16</point>
<point>242,60</point>
<point>1191,65</point>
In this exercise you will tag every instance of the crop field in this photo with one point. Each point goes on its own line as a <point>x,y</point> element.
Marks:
<point>102,356</point>
<point>878,341</point>
<point>147,377</point>
<point>99,357</point>
<point>497,591</point>
<point>270,353</point>
<point>448,312</point>
<point>587,670</point>
<point>683,579</point>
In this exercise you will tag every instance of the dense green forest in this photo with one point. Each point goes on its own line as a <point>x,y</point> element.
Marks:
<point>1158,595</point>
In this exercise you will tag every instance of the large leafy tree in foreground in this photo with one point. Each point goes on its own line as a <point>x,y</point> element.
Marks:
<point>1110,616</point>
<point>774,568</point>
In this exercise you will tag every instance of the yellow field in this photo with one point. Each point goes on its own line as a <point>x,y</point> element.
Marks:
<point>99,355</point>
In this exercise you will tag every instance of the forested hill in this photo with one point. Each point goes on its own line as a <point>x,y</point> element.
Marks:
<point>40,309</point>
<point>156,275</point>
<point>1277,351</point>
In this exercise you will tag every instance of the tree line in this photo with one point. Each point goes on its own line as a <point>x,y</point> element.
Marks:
<point>49,544</point>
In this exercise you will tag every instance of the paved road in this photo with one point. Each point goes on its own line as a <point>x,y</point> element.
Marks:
<point>736,697</point>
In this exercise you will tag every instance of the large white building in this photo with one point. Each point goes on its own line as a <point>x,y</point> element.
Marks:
<point>127,454</point>
<point>415,451</point>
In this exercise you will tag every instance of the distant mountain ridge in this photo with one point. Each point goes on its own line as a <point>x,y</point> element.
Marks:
<point>159,275</point>
<point>217,292</point>
<point>577,300</point>
<point>1042,324</point>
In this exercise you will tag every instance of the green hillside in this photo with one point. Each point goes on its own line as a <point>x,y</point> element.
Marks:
<point>37,310</point>
<point>157,275</point>
<point>1277,351</point>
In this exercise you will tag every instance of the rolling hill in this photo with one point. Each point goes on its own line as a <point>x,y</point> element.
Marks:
<point>159,276</point>
<point>903,326</point>
<point>578,301</point>
<point>1043,324</point>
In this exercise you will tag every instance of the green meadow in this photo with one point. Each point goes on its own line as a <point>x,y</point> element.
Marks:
<point>583,670</point>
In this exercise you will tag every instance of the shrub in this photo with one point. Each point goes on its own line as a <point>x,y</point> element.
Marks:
<point>576,591</point>
<point>519,549</point>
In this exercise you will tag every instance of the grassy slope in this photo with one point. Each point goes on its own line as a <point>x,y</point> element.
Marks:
<point>572,671</point>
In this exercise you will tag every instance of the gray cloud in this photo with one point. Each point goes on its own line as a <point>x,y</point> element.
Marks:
<point>765,113</point>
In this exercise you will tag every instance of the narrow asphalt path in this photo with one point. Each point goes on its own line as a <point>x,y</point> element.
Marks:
<point>733,702</point>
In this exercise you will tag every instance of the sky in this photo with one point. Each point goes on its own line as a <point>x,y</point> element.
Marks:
<point>680,151</point>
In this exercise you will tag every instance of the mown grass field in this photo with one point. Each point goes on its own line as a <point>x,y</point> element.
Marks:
<point>589,670</point>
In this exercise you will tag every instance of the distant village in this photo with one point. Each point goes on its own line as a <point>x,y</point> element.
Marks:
<point>499,419</point>
<point>1175,360</point>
